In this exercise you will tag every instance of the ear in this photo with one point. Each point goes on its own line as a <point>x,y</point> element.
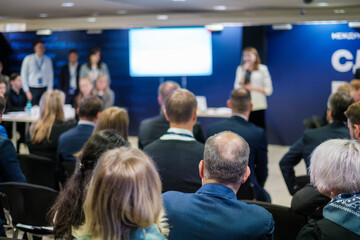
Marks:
<point>98,115</point>
<point>194,116</point>
<point>246,175</point>
<point>166,116</point>
<point>357,131</point>
<point>77,111</point>
<point>228,104</point>
<point>329,114</point>
<point>159,100</point>
<point>201,168</point>
<point>251,107</point>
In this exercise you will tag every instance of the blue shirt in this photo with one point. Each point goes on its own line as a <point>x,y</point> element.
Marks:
<point>3,131</point>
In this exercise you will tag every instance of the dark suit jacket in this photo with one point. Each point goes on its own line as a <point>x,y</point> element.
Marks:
<point>255,137</point>
<point>153,128</point>
<point>9,165</point>
<point>48,148</point>
<point>213,212</point>
<point>303,147</point>
<point>178,163</point>
<point>64,82</point>
<point>357,74</point>
<point>15,102</point>
<point>71,142</point>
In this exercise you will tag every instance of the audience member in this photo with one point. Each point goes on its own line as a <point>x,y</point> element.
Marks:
<point>67,211</point>
<point>3,132</point>
<point>9,165</point>
<point>153,128</point>
<point>71,141</point>
<point>43,135</point>
<point>353,120</point>
<point>177,153</point>
<point>337,104</point>
<point>2,76</point>
<point>69,77</point>
<point>355,89</point>
<point>94,66</point>
<point>3,87</point>
<point>357,74</point>
<point>124,203</point>
<point>16,97</point>
<point>335,171</point>
<point>103,91</point>
<point>114,118</point>
<point>85,88</point>
<point>213,212</point>
<point>37,73</point>
<point>240,104</point>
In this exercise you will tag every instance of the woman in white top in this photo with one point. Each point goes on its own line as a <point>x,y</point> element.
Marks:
<point>94,66</point>
<point>254,76</point>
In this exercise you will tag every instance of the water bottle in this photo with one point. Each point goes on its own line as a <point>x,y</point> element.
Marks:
<point>28,108</point>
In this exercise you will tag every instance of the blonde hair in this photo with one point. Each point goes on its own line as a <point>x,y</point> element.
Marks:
<point>51,109</point>
<point>254,51</point>
<point>124,194</point>
<point>101,75</point>
<point>80,95</point>
<point>113,118</point>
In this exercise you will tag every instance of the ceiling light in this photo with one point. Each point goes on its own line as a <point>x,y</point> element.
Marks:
<point>44,32</point>
<point>339,11</point>
<point>214,27</point>
<point>91,19</point>
<point>121,12</point>
<point>354,24</point>
<point>67,4</point>
<point>220,8</point>
<point>43,15</point>
<point>285,26</point>
<point>322,4</point>
<point>162,17</point>
<point>94,31</point>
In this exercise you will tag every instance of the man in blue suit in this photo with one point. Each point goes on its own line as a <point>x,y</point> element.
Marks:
<point>336,128</point>
<point>240,104</point>
<point>214,212</point>
<point>71,141</point>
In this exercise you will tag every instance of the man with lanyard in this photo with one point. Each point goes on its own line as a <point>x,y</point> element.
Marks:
<point>177,154</point>
<point>37,73</point>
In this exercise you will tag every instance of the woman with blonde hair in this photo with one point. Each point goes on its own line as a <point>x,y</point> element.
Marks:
<point>43,135</point>
<point>124,198</point>
<point>103,91</point>
<point>114,118</point>
<point>335,171</point>
<point>86,87</point>
<point>254,76</point>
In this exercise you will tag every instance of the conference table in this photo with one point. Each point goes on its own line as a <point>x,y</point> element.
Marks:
<point>27,118</point>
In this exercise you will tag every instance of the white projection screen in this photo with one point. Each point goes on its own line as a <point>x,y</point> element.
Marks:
<point>161,52</point>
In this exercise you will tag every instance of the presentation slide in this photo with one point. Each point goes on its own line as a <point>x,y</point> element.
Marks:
<point>162,52</point>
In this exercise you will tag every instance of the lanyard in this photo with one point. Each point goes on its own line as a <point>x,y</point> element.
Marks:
<point>179,134</point>
<point>39,65</point>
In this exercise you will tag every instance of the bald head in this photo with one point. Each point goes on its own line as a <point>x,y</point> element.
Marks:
<point>226,158</point>
<point>165,89</point>
<point>240,100</point>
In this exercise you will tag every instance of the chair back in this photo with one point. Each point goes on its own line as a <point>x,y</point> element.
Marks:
<point>69,169</point>
<point>28,203</point>
<point>39,170</point>
<point>287,223</point>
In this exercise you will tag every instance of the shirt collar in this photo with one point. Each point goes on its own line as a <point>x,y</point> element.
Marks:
<point>86,122</point>
<point>240,115</point>
<point>217,190</point>
<point>178,134</point>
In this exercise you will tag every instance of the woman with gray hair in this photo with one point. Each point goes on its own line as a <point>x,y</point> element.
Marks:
<point>335,171</point>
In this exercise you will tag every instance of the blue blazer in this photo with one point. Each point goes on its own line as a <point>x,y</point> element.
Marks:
<point>213,212</point>
<point>71,142</point>
<point>256,138</point>
<point>9,165</point>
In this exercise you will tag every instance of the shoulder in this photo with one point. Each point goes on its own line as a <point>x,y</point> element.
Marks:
<point>149,121</point>
<point>5,143</point>
<point>263,67</point>
<point>173,198</point>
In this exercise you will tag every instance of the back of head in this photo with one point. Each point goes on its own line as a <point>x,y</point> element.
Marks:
<point>339,102</point>
<point>180,106</point>
<point>353,113</point>
<point>51,109</point>
<point>89,107</point>
<point>124,194</point>
<point>165,89</point>
<point>240,100</point>
<point>335,165</point>
<point>226,158</point>
<point>113,118</point>
<point>355,84</point>
<point>2,105</point>
<point>68,206</point>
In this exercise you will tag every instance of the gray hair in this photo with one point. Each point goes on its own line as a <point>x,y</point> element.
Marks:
<point>226,157</point>
<point>335,165</point>
<point>339,102</point>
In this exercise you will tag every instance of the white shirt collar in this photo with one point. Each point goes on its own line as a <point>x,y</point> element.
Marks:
<point>86,122</point>
<point>178,134</point>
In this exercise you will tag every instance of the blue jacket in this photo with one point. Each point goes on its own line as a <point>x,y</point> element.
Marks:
<point>213,212</point>
<point>9,165</point>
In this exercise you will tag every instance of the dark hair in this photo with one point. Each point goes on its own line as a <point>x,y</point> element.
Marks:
<point>2,104</point>
<point>180,105</point>
<point>90,106</point>
<point>92,52</point>
<point>67,211</point>
<point>14,75</point>
<point>37,42</point>
<point>2,80</point>
<point>73,50</point>
<point>240,100</point>
<point>353,113</point>
<point>339,103</point>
